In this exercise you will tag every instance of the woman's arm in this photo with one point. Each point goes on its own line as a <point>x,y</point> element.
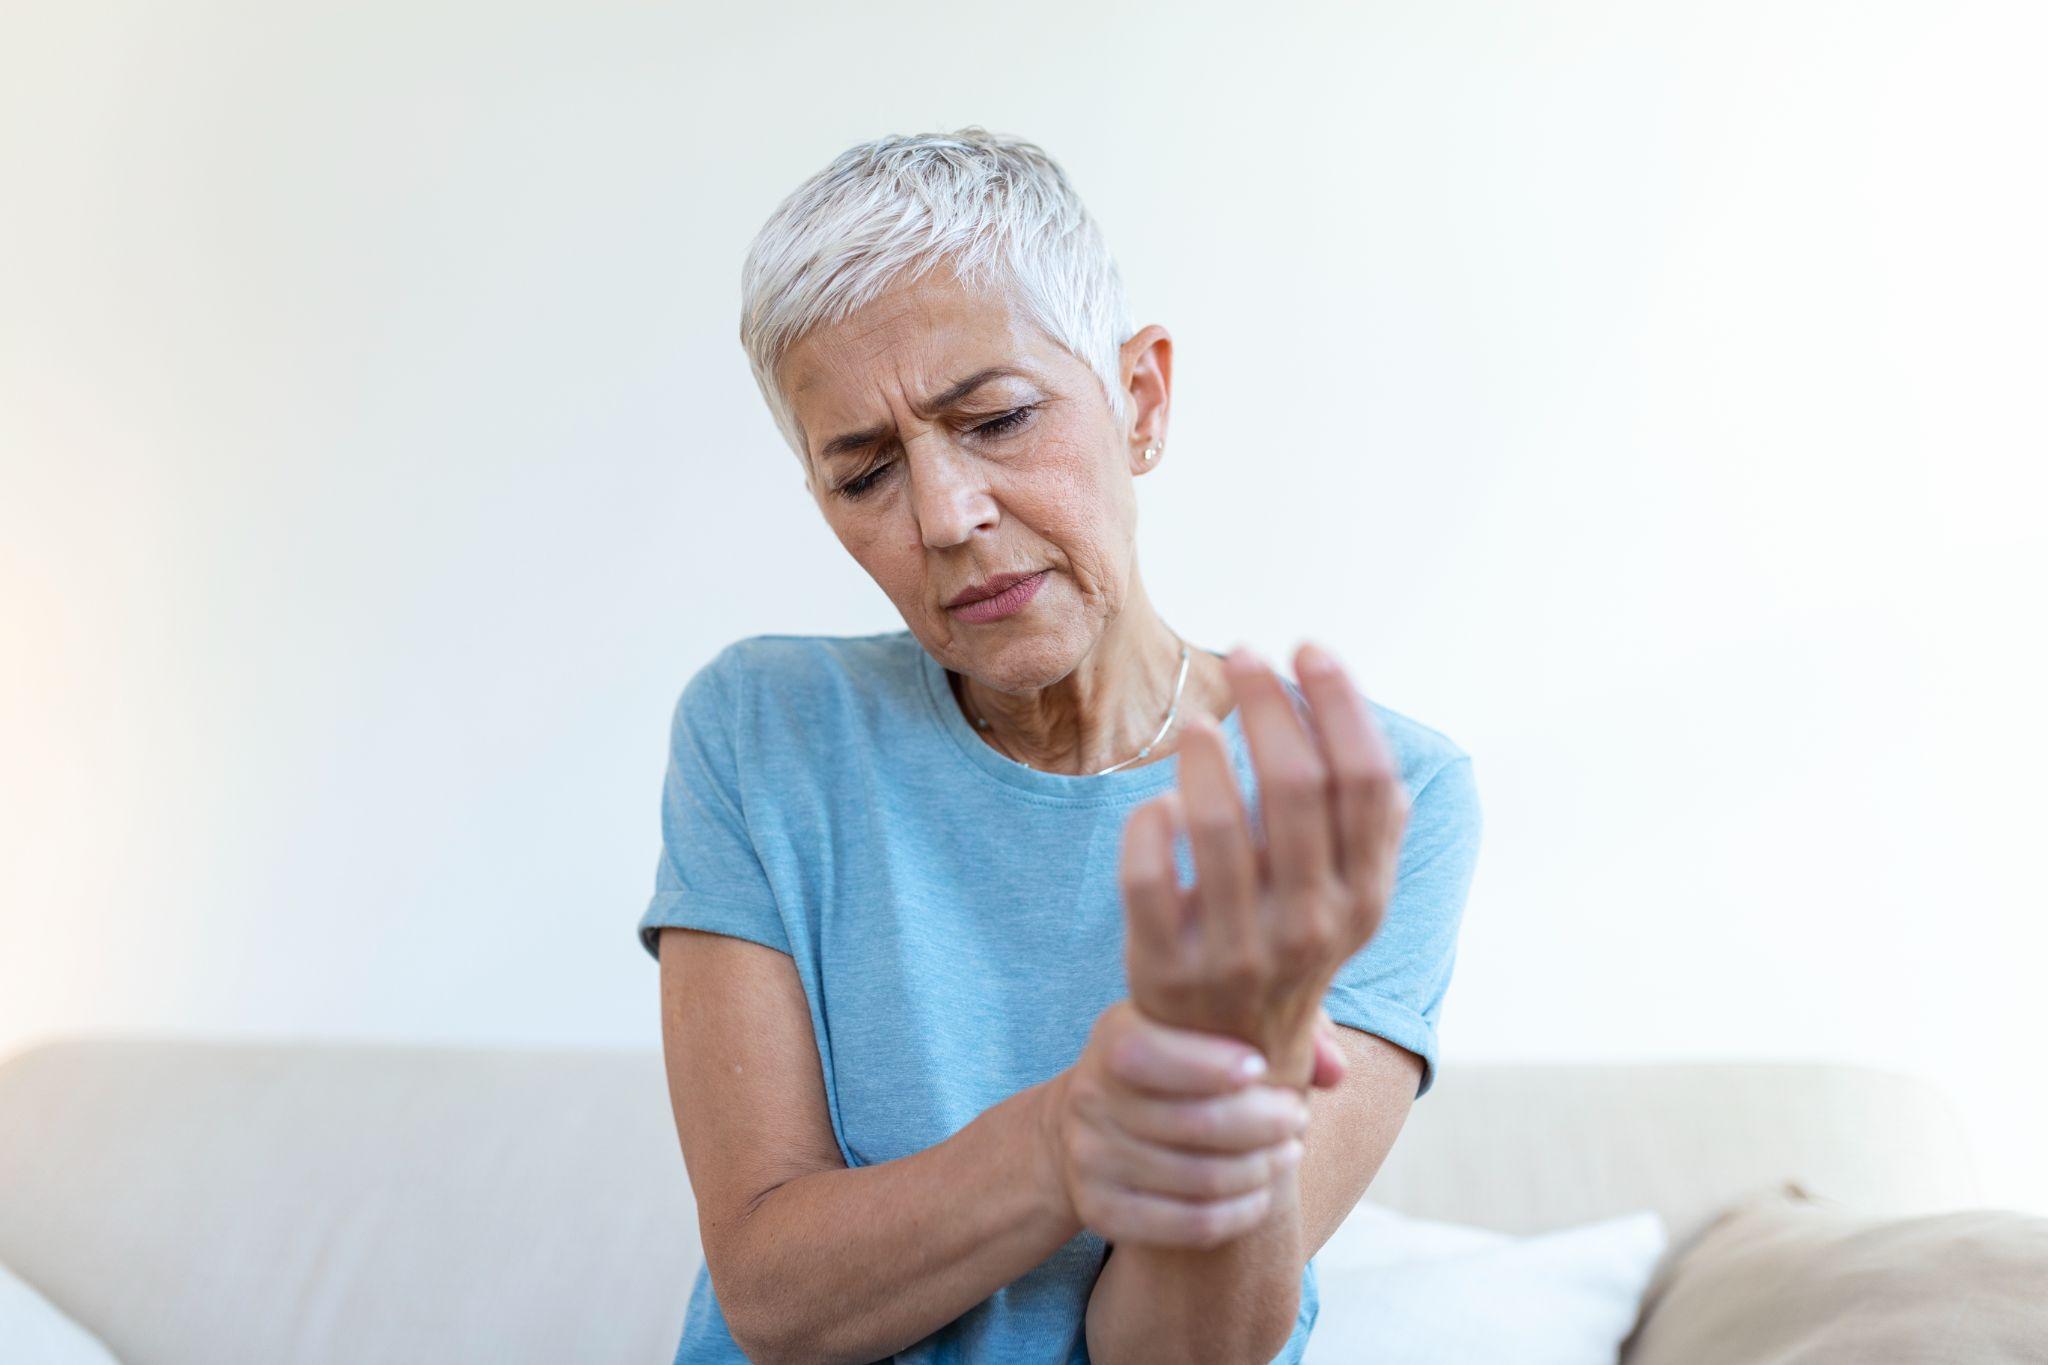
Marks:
<point>813,1261</point>
<point>1238,1302</point>
<point>1249,951</point>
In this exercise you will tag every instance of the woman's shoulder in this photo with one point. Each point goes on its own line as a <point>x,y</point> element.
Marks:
<point>1422,750</point>
<point>780,659</point>
<point>810,676</point>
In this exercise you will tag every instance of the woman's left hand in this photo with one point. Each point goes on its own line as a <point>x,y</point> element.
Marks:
<point>1251,948</point>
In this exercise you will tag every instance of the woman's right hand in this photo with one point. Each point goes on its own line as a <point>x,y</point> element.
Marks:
<point>1158,1137</point>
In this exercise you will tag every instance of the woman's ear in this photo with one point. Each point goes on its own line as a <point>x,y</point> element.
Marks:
<point>1147,366</point>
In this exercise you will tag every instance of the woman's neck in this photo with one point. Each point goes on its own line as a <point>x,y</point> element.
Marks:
<point>1107,707</point>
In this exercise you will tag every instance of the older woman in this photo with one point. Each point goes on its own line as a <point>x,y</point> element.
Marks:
<point>1016,990</point>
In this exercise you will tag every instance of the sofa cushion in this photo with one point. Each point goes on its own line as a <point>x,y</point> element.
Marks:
<point>1409,1291</point>
<point>1785,1278</point>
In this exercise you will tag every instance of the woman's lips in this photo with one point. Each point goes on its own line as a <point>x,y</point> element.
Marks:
<point>1008,602</point>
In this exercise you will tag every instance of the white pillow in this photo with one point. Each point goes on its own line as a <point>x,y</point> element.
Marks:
<point>1396,1290</point>
<point>33,1332</point>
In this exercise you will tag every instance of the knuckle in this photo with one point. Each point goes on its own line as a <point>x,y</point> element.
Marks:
<point>1301,946</point>
<point>1237,974</point>
<point>1095,1211</point>
<point>1086,1098</point>
<point>1087,1151</point>
<point>1352,773</point>
<point>1294,947</point>
<point>1308,922</point>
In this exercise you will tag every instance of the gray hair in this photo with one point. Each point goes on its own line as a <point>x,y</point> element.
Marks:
<point>997,209</point>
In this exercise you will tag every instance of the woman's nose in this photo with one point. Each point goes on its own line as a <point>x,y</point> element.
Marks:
<point>950,498</point>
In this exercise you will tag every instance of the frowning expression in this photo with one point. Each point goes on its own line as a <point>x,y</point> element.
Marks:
<point>950,440</point>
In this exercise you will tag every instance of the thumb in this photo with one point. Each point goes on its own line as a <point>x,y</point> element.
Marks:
<point>1330,1062</point>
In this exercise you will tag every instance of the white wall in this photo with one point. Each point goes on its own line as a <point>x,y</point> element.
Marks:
<point>1658,385</point>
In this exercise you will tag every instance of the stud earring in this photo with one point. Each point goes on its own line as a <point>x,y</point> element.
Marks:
<point>1151,452</point>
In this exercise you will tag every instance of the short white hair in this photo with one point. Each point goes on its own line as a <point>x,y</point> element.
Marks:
<point>997,209</point>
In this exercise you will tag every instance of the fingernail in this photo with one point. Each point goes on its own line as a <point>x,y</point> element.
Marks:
<point>1290,1154</point>
<point>1316,660</point>
<point>1243,657</point>
<point>1249,1067</point>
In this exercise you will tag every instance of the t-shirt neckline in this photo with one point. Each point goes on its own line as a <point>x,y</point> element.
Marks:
<point>1127,785</point>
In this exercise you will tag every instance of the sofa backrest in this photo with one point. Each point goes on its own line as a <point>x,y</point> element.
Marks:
<point>1535,1147</point>
<point>195,1202</point>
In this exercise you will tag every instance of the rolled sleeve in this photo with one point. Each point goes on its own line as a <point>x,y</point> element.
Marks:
<point>1394,987</point>
<point>709,875</point>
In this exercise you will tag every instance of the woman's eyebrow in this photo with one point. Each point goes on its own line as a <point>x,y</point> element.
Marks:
<point>852,441</point>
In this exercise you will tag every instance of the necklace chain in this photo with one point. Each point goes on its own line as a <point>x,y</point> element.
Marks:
<point>981,723</point>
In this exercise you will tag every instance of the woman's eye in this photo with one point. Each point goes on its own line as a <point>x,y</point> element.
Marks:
<point>1005,424</point>
<point>1001,426</point>
<point>854,488</point>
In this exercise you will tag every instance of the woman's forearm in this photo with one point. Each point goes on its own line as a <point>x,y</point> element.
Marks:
<point>1235,1303</point>
<point>853,1265</point>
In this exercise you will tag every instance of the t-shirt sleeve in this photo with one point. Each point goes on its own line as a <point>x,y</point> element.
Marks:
<point>1394,986</point>
<point>709,875</point>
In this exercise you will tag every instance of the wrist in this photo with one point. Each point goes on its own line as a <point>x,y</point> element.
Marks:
<point>1289,1045</point>
<point>1291,1061</point>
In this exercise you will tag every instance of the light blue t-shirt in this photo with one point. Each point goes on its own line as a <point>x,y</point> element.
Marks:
<point>956,919</point>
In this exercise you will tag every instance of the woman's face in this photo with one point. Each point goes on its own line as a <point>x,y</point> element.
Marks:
<point>935,487</point>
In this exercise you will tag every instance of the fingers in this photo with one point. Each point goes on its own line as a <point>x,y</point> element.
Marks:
<point>1187,1173</point>
<point>1370,805</point>
<point>1143,1164</point>
<point>1181,1174</point>
<point>1154,904</point>
<point>1157,1220</point>
<point>1294,796</point>
<point>1226,861</point>
<point>1256,1116</point>
<point>1156,1058</point>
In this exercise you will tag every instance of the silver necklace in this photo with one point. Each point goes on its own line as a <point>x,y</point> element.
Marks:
<point>981,723</point>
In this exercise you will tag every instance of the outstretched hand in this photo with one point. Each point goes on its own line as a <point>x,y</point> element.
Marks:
<point>1251,947</point>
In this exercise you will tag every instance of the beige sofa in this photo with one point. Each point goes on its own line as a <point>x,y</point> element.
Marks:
<point>206,1202</point>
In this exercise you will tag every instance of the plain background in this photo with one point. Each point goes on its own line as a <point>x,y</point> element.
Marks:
<point>1647,395</point>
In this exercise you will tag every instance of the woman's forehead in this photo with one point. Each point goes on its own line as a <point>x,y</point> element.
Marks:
<point>910,345</point>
